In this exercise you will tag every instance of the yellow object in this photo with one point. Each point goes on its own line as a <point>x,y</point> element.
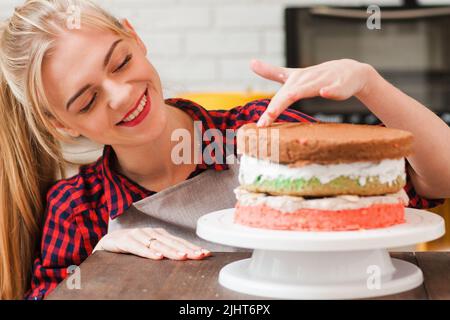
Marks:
<point>224,100</point>
<point>443,243</point>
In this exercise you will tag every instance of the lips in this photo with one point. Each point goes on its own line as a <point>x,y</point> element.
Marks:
<point>142,114</point>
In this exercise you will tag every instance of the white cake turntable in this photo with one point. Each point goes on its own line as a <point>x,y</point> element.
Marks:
<point>320,265</point>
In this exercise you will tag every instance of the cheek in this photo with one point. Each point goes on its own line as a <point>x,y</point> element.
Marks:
<point>154,77</point>
<point>94,126</point>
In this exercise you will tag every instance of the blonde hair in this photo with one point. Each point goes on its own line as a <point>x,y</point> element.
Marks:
<point>30,153</point>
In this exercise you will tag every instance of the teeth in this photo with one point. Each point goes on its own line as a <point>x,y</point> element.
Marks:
<point>137,111</point>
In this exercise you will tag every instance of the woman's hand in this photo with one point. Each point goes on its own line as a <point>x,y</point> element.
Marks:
<point>337,80</point>
<point>151,243</point>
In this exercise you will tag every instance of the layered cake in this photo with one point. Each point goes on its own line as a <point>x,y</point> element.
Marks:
<point>324,176</point>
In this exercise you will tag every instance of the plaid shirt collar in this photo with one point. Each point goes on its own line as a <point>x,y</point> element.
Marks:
<point>120,191</point>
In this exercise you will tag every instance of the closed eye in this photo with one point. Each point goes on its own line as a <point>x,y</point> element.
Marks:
<point>124,63</point>
<point>88,106</point>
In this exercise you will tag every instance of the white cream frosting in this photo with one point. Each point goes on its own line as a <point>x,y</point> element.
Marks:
<point>387,171</point>
<point>289,204</point>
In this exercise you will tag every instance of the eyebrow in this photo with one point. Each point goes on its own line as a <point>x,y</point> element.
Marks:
<point>105,63</point>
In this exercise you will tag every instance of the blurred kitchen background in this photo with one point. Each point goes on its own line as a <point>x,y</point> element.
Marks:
<point>202,50</point>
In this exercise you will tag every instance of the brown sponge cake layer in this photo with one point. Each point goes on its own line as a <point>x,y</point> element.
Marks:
<point>323,143</point>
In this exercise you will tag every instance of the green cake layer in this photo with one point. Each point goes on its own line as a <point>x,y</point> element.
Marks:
<point>313,187</point>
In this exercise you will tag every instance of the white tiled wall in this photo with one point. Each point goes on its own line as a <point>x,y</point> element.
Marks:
<point>206,45</point>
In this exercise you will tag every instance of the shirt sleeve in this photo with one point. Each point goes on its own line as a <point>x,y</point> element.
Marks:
<point>63,243</point>
<point>251,112</point>
<point>417,201</point>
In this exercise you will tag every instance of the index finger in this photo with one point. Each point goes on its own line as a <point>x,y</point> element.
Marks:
<point>280,102</point>
<point>284,98</point>
<point>270,72</point>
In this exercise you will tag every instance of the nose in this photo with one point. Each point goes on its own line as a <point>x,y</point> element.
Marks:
<point>119,93</point>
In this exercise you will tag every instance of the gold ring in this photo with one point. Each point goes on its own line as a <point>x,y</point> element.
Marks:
<point>150,242</point>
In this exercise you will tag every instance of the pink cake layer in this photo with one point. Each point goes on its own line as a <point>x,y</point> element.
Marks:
<point>374,216</point>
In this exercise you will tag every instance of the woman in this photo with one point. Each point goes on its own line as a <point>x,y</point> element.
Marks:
<point>96,81</point>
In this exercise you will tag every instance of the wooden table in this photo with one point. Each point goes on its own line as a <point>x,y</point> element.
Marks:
<point>118,276</point>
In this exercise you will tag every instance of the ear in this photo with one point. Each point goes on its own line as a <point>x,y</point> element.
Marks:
<point>60,127</point>
<point>130,28</point>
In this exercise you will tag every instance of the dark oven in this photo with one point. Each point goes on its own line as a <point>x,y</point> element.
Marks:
<point>411,50</point>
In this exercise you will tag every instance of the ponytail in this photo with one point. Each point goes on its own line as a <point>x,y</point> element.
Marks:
<point>26,173</point>
<point>30,152</point>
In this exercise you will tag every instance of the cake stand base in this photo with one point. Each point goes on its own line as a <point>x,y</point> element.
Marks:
<point>320,265</point>
<point>239,276</point>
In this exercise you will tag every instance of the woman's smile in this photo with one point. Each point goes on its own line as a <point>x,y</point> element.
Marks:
<point>139,111</point>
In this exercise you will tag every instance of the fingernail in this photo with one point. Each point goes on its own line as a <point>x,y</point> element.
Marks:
<point>261,122</point>
<point>198,252</point>
<point>159,254</point>
<point>205,251</point>
<point>181,254</point>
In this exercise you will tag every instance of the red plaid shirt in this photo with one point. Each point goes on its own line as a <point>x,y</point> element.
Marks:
<point>78,208</point>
